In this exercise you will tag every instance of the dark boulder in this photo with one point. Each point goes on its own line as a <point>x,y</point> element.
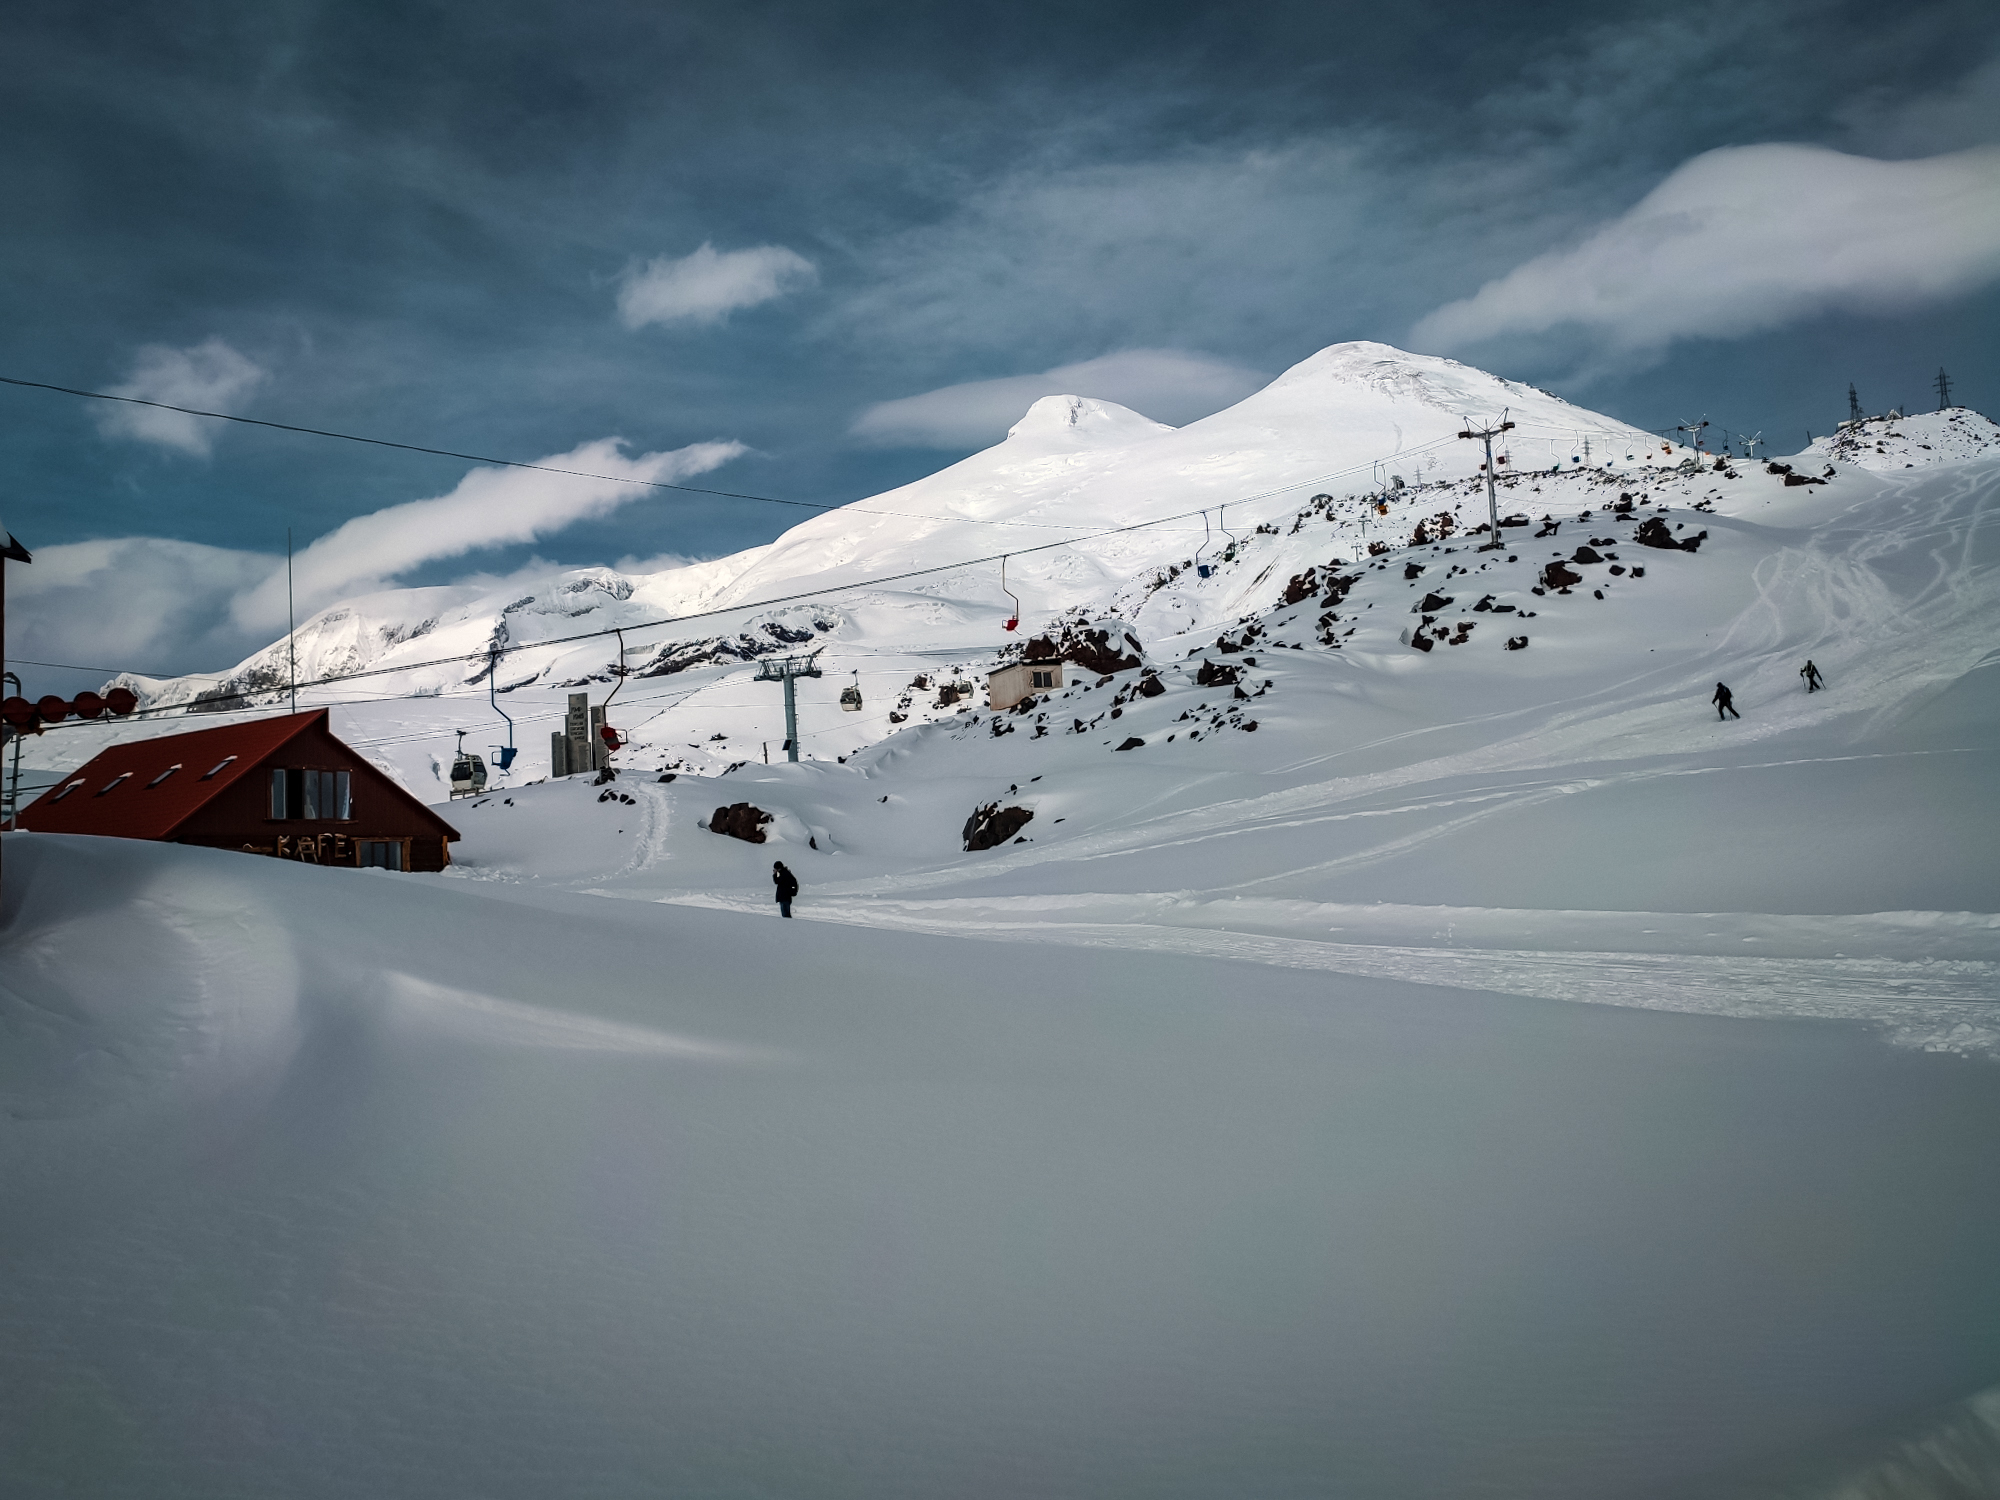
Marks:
<point>1132,744</point>
<point>1432,604</point>
<point>1215,674</point>
<point>1150,686</point>
<point>1517,643</point>
<point>1556,576</point>
<point>740,821</point>
<point>993,825</point>
<point>1586,555</point>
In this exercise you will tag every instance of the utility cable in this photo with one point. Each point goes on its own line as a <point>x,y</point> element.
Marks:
<point>514,463</point>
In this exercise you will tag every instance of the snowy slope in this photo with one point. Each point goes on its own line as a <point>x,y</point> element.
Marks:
<point>1471,1077</point>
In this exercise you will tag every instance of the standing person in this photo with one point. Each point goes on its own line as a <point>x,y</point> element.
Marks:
<point>788,887</point>
<point>1814,682</point>
<point>1724,702</point>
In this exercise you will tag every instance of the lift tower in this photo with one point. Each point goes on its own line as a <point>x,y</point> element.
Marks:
<point>788,669</point>
<point>1492,504</point>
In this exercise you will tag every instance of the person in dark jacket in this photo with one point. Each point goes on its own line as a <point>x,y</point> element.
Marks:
<point>1814,682</point>
<point>788,887</point>
<point>1724,703</point>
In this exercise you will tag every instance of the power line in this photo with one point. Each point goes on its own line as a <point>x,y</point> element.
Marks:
<point>513,463</point>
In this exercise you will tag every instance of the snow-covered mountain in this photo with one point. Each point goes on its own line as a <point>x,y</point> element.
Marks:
<point>1354,419</point>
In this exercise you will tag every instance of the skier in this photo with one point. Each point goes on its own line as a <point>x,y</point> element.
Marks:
<point>1724,703</point>
<point>788,887</point>
<point>1814,682</point>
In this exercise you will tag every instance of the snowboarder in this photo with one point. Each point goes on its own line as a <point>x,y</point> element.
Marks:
<point>1724,702</point>
<point>788,887</point>
<point>1814,682</point>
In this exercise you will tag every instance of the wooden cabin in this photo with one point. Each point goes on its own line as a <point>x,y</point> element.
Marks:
<point>1010,685</point>
<point>283,786</point>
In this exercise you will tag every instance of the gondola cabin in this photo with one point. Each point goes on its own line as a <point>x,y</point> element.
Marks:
<point>1010,685</point>
<point>283,786</point>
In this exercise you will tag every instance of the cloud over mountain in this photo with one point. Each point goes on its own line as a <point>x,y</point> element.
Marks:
<point>1749,238</point>
<point>1170,385</point>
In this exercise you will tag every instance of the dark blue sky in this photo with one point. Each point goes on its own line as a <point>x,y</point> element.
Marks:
<point>417,220</point>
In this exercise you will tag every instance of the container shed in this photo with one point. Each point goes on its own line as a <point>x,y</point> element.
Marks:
<point>283,786</point>
<point>1010,685</point>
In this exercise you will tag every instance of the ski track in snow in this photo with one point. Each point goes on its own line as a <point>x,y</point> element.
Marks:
<point>1931,1003</point>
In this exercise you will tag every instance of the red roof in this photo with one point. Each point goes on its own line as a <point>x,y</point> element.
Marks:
<point>121,793</point>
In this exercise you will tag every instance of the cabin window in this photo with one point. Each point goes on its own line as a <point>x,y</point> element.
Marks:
<point>1042,679</point>
<point>314,795</point>
<point>381,854</point>
<point>163,775</point>
<point>115,782</point>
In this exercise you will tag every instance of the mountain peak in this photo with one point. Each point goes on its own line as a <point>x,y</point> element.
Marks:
<point>1083,419</point>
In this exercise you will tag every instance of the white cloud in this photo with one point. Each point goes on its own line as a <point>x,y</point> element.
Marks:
<point>1748,238</point>
<point>1168,385</point>
<point>707,286</point>
<point>145,604</point>
<point>210,376</point>
<point>162,607</point>
<point>489,508</point>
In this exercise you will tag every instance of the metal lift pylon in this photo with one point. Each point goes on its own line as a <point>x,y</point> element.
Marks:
<point>788,669</point>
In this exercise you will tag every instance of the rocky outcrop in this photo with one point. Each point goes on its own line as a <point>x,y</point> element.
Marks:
<point>1653,532</point>
<point>1558,576</point>
<point>1213,674</point>
<point>992,825</point>
<point>740,821</point>
<point>1102,649</point>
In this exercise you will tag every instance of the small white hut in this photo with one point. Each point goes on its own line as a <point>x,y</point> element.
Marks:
<point>1010,685</point>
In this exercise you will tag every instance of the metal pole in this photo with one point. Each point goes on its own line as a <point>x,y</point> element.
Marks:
<point>791,717</point>
<point>291,623</point>
<point>1492,503</point>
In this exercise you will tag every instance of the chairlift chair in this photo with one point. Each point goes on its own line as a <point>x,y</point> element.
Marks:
<point>503,755</point>
<point>1013,620</point>
<point>1202,569</point>
<point>1229,548</point>
<point>613,740</point>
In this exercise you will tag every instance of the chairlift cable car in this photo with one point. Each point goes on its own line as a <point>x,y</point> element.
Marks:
<point>503,755</point>
<point>1228,551</point>
<point>850,697</point>
<point>468,772</point>
<point>1202,569</point>
<point>1013,621</point>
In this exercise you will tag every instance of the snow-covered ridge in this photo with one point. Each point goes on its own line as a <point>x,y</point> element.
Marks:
<point>1072,466</point>
<point>1912,442</point>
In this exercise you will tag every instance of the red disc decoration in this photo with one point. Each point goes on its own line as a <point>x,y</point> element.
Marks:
<point>52,709</point>
<point>88,706</point>
<point>121,701</point>
<point>17,711</point>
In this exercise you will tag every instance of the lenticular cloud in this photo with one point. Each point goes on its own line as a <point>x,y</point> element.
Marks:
<point>1748,238</point>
